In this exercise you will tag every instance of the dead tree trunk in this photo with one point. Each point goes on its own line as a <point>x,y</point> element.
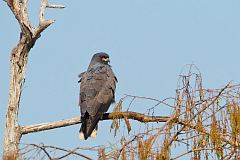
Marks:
<point>18,60</point>
<point>12,133</point>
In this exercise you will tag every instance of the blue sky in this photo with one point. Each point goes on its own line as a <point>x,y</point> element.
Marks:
<point>148,43</point>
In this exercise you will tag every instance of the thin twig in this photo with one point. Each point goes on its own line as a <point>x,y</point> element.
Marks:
<point>69,152</point>
<point>43,149</point>
<point>194,150</point>
<point>55,6</point>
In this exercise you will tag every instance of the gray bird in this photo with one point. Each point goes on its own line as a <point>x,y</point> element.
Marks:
<point>97,92</point>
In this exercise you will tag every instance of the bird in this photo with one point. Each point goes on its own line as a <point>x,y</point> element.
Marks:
<point>97,93</point>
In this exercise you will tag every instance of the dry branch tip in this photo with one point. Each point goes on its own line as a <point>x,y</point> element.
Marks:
<point>59,6</point>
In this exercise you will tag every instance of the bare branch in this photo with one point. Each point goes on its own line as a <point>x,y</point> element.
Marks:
<point>46,151</point>
<point>42,10</point>
<point>49,125</point>
<point>55,6</point>
<point>19,9</point>
<point>76,120</point>
<point>43,24</point>
<point>190,151</point>
<point>43,149</point>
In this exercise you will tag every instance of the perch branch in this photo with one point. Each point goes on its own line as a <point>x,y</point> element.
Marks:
<point>76,120</point>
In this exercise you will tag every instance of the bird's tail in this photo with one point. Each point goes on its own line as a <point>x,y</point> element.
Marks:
<point>88,127</point>
<point>93,134</point>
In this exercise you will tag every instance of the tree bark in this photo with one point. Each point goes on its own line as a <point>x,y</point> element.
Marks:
<point>19,57</point>
<point>18,63</point>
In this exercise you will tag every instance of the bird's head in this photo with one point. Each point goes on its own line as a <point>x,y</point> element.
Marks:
<point>100,58</point>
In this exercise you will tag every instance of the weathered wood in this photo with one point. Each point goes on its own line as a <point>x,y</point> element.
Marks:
<point>12,134</point>
<point>76,120</point>
<point>18,63</point>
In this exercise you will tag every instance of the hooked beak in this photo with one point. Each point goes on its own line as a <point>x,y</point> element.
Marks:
<point>106,60</point>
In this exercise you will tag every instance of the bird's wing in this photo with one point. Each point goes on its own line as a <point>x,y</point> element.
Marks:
<point>97,90</point>
<point>96,95</point>
<point>107,94</point>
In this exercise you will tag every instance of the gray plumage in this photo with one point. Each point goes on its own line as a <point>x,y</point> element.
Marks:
<point>97,90</point>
